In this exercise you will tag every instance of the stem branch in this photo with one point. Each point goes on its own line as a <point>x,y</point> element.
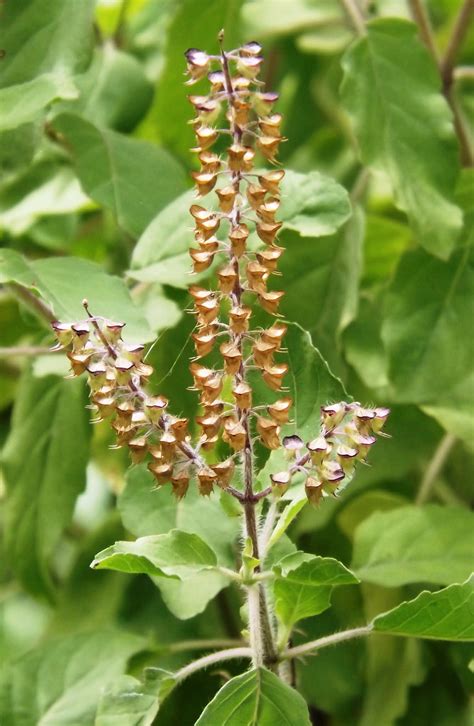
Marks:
<point>211,659</point>
<point>436,466</point>
<point>314,645</point>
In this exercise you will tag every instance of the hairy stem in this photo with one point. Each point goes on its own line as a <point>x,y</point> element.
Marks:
<point>211,659</point>
<point>355,15</point>
<point>34,302</point>
<point>314,645</point>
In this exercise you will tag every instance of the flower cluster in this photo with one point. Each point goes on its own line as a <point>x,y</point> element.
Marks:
<point>117,377</point>
<point>244,202</point>
<point>237,236</point>
<point>347,433</point>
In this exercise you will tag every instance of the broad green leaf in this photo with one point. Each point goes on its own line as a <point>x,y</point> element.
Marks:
<point>321,280</point>
<point>415,544</point>
<point>64,282</point>
<point>312,205</point>
<point>24,102</point>
<point>45,45</point>
<point>161,254</point>
<point>132,178</point>
<point>326,40</point>
<point>268,18</point>
<point>46,189</point>
<point>194,25</point>
<point>393,666</point>
<point>102,99</point>
<point>305,590</point>
<point>384,243</point>
<point>429,310</point>
<point>176,554</point>
<point>130,702</point>
<point>256,698</point>
<point>363,346</point>
<point>310,381</point>
<point>311,385</point>
<point>61,682</point>
<point>443,615</point>
<point>44,462</point>
<point>146,511</point>
<point>402,121</point>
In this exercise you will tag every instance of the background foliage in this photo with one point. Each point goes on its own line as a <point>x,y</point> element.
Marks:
<point>94,153</point>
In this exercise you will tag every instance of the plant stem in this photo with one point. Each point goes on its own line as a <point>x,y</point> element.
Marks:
<point>314,645</point>
<point>460,29</point>
<point>421,18</point>
<point>25,350</point>
<point>211,659</point>
<point>445,66</point>
<point>185,645</point>
<point>435,467</point>
<point>34,302</point>
<point>261,636</point>
<point>355,15</point>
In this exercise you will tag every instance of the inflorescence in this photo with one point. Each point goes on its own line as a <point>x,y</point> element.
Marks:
<point>235,109</point>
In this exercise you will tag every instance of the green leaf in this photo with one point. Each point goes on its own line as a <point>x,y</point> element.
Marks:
<point>312,205</point>
<point>321,280</point>
<point>129,702</point>
<point>429,309</point>
<point>194,25</point>
<point>391,89</point>
<point>102,99</point>
<point>64,282</point>
<point>256,698</point>
<point>24,102</point>
<point>54,42</point>
<point>415,544</point>
<point>286,517</point>
<point>393,666</point>
<point>132,178</point>
<point>46,189</point>
<point>311,385</point>
<point>44,462</point>
<point>310,381</point>
<point>176,554</point>
<point>61,682</point>
<point>146,511</point>
<point>303,589</point>
<point>443,615</point>
<point>269,18</point>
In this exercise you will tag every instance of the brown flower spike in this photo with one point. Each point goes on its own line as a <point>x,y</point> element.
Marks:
<point>238,115</point>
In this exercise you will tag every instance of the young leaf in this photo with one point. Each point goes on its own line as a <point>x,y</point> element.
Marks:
<point>415,544</point>
<point>130,177</point>
<point>443,615</point>
<point>287,516</point>
<point>303,589</point>
<point>61,681</point>
<point>44,462</point>
<point>64,282</point>
<point>391,89</point>
<point>256,698</point>
<point>176,554</point>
